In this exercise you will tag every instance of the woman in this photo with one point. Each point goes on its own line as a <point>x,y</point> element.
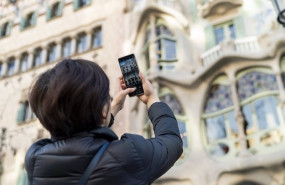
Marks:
<point>72,102</point>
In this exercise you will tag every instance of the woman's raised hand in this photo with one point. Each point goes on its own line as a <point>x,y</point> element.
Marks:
<point>120,95</point>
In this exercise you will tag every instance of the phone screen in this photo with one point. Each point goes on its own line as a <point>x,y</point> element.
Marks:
<point>130,71</point>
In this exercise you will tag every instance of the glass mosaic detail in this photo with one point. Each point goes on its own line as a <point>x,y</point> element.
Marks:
<point>215,128</point>
<point>173,103</point>
<point>219,98</point>
<point>255,82</point>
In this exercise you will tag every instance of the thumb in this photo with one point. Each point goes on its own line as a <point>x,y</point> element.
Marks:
<point>128,90</point>
<point>142,77</point>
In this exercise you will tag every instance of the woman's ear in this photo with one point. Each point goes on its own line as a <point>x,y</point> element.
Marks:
<point>105,111</point>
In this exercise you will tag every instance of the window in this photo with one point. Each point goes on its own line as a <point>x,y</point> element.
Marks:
<point>51,52</point>
<point>165,45</point>
<point>37,58</point>
<point>1,69</point>
<point>233,29</point>
<point>5,29</point>
<point>80,3</point>
<point>55,10</point>
<point>25,112</point>
<point>219,122</point>
<point>11,66</point>
<point>24,62</point>
<point>66,47</point>
<point>29,20</point>
<point>258,93</point>
<point>167,96</point>
<point>224,31</point>
<point>81,44</point>
<point>97,37</point>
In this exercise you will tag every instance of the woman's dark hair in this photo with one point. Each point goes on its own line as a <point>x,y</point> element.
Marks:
<point>70,97</point>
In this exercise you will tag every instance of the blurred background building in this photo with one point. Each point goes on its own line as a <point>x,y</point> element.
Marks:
<point>219,64</point>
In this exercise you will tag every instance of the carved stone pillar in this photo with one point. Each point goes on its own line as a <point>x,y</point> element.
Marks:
<point>240,119</point>
<point>280,87</point>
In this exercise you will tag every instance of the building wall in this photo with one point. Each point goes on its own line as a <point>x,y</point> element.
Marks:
<point>185,81</point>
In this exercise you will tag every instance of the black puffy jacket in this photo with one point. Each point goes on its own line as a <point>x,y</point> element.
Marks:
<point>132,160</point>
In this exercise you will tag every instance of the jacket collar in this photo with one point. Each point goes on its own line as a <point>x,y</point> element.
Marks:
<point>101,132</point>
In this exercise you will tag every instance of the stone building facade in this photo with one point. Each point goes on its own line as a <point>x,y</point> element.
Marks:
<point>219,64</point>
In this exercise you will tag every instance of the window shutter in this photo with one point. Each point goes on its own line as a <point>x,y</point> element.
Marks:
<point>22,24</point>
<point>75,4</point>
<point>9,27</point>
<point>239,27</point>
<point>34,19</point>
<point>61,7</point>
<point>1,32</point>
<point>210,37</point>
<point>48,14</point>
<point>21,113</point>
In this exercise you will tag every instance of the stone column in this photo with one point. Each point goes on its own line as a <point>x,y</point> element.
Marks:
<point>30,58</point>
<point>17,64</point>
<point>58,49</point>
<point>44,54</point>
<point>239,118</point>
<point>277,74</point>
<point>4,69</point>
<point>73,44</point>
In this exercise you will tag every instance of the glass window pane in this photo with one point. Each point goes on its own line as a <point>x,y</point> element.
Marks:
<point>255,82</point>
<point>81,43</point>
<point>220,35</point>
<point>24,62</point>
<point>38,57</point>
<point>1,69</point>
<point>97,38</point>
<point>173,103</point>
<point>215,127</point>
<point>11,66</point>
<point>66,48</point>
<point>233,123</point>
<point>266,113</point>
<point>169,49</point>
<point>232,31</point>
<point>219,98</point>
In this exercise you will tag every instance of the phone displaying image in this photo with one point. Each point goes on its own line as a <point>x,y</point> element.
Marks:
<point>130,71</point>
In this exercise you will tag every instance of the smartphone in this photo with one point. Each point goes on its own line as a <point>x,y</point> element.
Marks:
<point>130,71</point>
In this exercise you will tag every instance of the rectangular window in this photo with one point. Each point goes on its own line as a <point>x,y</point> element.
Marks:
<point>97,37</point>
<point>55,10</point>
<point>224,31</point>
<point>66,47</point>
<point>51,52</point>
<point>5,29</point>
<point>29,20</point>
<point>1,69</point>
<point>81,43</point>
<point>24,62</point>
<point>11,66</point>
<point>80,3</point>
<point>37,60</point>
<point>25,112</point>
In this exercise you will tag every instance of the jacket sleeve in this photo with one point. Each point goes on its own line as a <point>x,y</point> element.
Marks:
<point>160,153</point>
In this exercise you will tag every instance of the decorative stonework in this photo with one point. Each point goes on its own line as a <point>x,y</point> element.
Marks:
<point>213,8</point>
